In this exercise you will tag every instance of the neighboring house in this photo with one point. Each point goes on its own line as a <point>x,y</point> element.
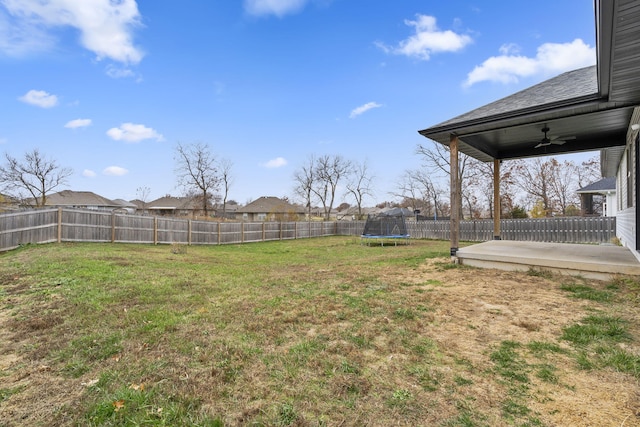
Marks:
<point>8,203</point>
<point>81,200</point>
<point>593,108</point>
<point>605,189</point>
<point>270,209</point>
<point>351,213</point>
<point>126,207</point>
<point>174,206</point>
<point>229,211</point>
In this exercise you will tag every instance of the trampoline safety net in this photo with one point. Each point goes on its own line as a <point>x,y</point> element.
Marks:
<point>385,226</point>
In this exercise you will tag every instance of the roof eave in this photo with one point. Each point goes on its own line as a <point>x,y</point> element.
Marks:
<point>565,108</point>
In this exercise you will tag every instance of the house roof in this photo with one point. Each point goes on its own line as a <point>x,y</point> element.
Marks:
<point>79,198</point>
<point>605,185</point>
<point>170,202</point>
<point>590,108</point>
<point>266,204</point>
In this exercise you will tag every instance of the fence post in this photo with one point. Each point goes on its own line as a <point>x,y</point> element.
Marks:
<point>113,227</point>
<point>219,232</point>
<point>59,225</point>
<point>155,230</point>
<point>242,232</point>
<point>189,232</point>
<point>280,230</point>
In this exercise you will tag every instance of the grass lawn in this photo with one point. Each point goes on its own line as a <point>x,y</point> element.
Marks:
<point>308,333</point>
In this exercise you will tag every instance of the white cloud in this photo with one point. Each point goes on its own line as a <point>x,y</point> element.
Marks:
<point>115,171</point>
<point>278,162</point>
<point>78,123</point>
<point>105,26</point>
<point>273,7</point>
<point>118,72</point>
<point>131,132</point>
<point>551,58</point>
<point>39,98</point>
<point>428,39</point>
<point>363,108</point>
<point>88,173</point>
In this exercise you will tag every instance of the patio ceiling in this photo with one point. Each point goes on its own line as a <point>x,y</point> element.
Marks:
<point>589,109</point>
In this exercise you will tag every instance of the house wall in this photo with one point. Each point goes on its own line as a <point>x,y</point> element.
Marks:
<point>627,186</point>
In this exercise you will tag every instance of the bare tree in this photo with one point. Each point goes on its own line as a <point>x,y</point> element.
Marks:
<point>480,183</point>
<point>197,171</point>
<point>143,196</point>
<point>304,179</point>
<point>35,175</point>
<point>359,186</point>
<point>533,178</point>
<point>330,170</point>
<point>551,183</point>
<point>226,180</point>
<point>427,196</point>
<point>436,160</point>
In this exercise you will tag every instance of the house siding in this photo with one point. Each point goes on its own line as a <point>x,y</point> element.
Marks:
<point>626,229</point>
<point>627,182</point>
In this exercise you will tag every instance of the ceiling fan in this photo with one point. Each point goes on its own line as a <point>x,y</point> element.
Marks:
<point>546,141</point>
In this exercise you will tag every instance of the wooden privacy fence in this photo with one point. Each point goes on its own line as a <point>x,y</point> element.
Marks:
<point>559,229</point>
<point>75,225</point>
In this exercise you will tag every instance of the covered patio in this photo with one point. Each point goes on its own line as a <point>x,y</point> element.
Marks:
<point>593,108</point>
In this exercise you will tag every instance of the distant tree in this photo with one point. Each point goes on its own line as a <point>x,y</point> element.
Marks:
<point>143,195</point>
<point>197,172</point>
<point>533,177</point>
<point>418,187</point>
<point>436,160</point>
<point>330,171</point>
<point>539,210</point>
<point>359,184</point>
<point>343,206</point>
<point>304,179</point>
<point>572,210</point>
<point>34,174</point>
<point>226,180</point>
<point>554,183</point>
<point>517,212</point>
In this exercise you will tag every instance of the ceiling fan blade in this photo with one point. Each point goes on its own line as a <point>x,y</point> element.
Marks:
<point>542,144</point>
<point>558,142</point>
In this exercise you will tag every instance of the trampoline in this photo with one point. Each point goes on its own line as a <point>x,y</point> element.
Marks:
<point>389,227</point>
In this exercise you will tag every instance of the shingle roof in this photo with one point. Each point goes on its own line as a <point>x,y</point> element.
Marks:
<point>605,184</point>
<point>269,205</point>
<point>567,86</point>
<point>79,198</point>
<point>170,202</point>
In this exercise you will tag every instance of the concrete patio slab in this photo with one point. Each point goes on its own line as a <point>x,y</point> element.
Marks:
<point>592,261</point>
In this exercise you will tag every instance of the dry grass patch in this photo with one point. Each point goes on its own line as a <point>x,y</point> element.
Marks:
<point>314,332</point>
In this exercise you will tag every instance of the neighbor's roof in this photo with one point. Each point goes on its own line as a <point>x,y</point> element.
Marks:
<point>79,198</point>
<point>267,204</point>
<point>604,185</point>
<point>170,202</point>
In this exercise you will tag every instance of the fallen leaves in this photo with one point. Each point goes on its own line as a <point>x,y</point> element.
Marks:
<point>138,387</point>
<point>118,404</point>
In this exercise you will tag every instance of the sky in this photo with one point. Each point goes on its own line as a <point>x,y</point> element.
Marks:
<point>109,88</point>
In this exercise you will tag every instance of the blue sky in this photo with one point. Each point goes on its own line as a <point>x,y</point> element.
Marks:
<point>108,88</point>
